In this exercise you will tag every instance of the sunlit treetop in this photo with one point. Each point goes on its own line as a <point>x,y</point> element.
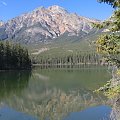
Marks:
<point>112,23</point>
<point>114,3</point>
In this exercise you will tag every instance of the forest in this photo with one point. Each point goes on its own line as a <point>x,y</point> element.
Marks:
<point>14,57</point>
<point>79,58</point>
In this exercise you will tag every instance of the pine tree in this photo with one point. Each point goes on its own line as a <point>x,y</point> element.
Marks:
<point>13,56</point>
<point>108,45</point>
<point>1,55</point>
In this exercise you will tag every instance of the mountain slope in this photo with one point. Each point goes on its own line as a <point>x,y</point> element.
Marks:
<point>44,25</point>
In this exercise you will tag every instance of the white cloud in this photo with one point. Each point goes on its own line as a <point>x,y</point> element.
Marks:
<point>3,3</point>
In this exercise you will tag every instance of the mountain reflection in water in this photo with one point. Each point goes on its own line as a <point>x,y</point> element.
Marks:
<point>52,94</point>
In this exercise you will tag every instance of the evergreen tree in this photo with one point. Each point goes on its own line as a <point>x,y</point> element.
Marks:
<point>13,56</point>
<point>108,45</point>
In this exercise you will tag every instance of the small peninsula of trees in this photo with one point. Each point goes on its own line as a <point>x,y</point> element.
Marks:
<point>13,57</point>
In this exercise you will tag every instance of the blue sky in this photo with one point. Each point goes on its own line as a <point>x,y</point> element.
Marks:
<point>88,8</point>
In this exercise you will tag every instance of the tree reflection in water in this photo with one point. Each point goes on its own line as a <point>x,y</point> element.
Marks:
<point>13,82</point>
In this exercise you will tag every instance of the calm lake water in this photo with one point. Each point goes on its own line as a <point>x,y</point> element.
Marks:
<point>53,94</point>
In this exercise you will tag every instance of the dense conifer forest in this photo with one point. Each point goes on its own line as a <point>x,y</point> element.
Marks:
<point>69,59</point>
<point>14,57</point>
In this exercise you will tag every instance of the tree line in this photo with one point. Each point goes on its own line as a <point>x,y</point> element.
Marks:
<point>70,59</point>
<point>13,56</point>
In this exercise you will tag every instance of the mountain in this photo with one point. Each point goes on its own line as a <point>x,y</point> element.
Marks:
<point>45,25</point>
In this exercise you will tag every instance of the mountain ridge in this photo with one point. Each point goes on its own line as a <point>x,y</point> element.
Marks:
<point>45,24</point>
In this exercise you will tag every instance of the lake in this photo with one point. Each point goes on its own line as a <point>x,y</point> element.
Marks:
<point>54,94</point>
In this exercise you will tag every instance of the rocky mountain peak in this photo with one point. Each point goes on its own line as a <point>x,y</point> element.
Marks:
<point>57,9</point>
<point>43,24</point>
<point>40,8</point>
